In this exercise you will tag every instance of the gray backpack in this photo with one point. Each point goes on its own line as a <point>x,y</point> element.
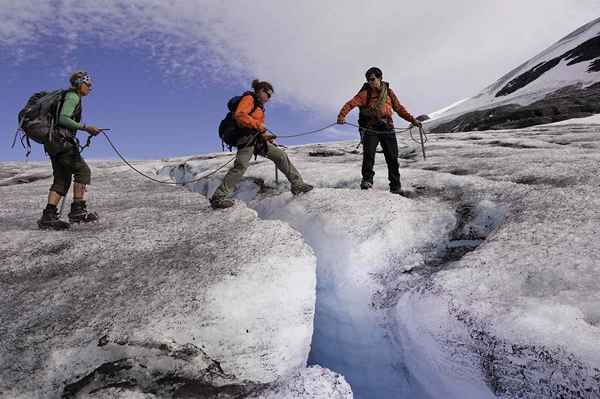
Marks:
<point>38,119</point>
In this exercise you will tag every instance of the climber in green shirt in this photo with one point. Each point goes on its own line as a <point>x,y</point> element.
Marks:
<point>66,159</point>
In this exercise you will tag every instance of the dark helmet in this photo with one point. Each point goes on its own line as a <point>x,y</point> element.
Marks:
<point>374,71</point>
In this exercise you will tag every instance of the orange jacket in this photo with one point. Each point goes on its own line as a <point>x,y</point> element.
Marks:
<point>391,103</point>
<point>246,118</point>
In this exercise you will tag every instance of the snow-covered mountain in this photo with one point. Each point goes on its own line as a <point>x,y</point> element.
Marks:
<point>559,83</point>
<point>481,283</point>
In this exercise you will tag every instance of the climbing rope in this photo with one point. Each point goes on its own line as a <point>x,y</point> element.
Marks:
<point>396,131</point>
<point>379,132</point>
<point>423,140</point>
<point>303,133</point>
<point>156,180</point>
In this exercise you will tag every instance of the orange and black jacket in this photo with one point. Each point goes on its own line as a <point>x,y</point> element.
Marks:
<point>391,104</point>
<point>249,116</point>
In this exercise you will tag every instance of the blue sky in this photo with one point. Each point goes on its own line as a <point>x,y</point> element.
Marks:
<point>164,70</point>
<point>151,115</point>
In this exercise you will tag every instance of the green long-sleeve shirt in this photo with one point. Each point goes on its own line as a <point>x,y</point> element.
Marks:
<point>65,118</point>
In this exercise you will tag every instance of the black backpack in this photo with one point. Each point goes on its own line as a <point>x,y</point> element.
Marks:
<point>229,131</point>
<point>38,119</point>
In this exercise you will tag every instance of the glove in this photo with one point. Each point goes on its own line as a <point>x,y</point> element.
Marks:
<point>93,130</point>
<point>268,136</point>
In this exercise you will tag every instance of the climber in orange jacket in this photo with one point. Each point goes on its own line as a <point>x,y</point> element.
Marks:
<point>376,102</point>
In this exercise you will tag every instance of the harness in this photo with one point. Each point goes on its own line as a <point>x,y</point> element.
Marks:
<point>370,116</point>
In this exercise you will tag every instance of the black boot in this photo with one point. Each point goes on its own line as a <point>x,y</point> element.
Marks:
<point>366,185</point>
<point>80,214</point>
<point>221,202</point>
<point>397,190</point>
<point>51,221</point>
<point>301,188</point>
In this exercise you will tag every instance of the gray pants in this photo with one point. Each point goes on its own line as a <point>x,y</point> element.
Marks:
<point>242,161</point>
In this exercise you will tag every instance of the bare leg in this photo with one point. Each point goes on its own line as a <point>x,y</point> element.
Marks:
<point>79,191</point>
<point>54,198</point>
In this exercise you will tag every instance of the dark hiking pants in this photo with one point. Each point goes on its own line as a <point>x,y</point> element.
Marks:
<point>65,164</point>
<point>390,151</point>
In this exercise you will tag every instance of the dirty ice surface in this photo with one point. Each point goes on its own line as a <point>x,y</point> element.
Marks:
<point>482,281</point>
<point>161,298</point>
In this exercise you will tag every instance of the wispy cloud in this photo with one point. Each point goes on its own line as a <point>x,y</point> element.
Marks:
<point>314,52</point>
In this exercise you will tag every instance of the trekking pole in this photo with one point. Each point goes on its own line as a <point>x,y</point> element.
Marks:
<point>62,205</point>
<point>362,137</point>
<point>280,146</point>
<point>422,142</point>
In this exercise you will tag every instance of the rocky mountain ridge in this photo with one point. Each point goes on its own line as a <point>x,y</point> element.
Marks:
<point>559,83</point>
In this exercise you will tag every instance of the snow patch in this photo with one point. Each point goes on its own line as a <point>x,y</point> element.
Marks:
<point>590,120</point>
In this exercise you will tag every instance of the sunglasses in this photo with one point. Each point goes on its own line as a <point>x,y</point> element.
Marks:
<point>371,79</point>
<point>268,93</point>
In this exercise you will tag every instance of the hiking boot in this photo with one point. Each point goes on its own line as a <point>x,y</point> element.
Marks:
<point>80,214</point>
<point>221,202</point>
<point>397,190</point>
<point>51,221</point>
<point>301,188</point>
<point>365,185</point>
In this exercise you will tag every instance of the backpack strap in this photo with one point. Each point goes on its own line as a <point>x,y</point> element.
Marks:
<point>25,143</point>
<point>77,112</point>
<point>28,145</point>
<point>19,130</point>
<point>60,105</point>
<point>76,117</point>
